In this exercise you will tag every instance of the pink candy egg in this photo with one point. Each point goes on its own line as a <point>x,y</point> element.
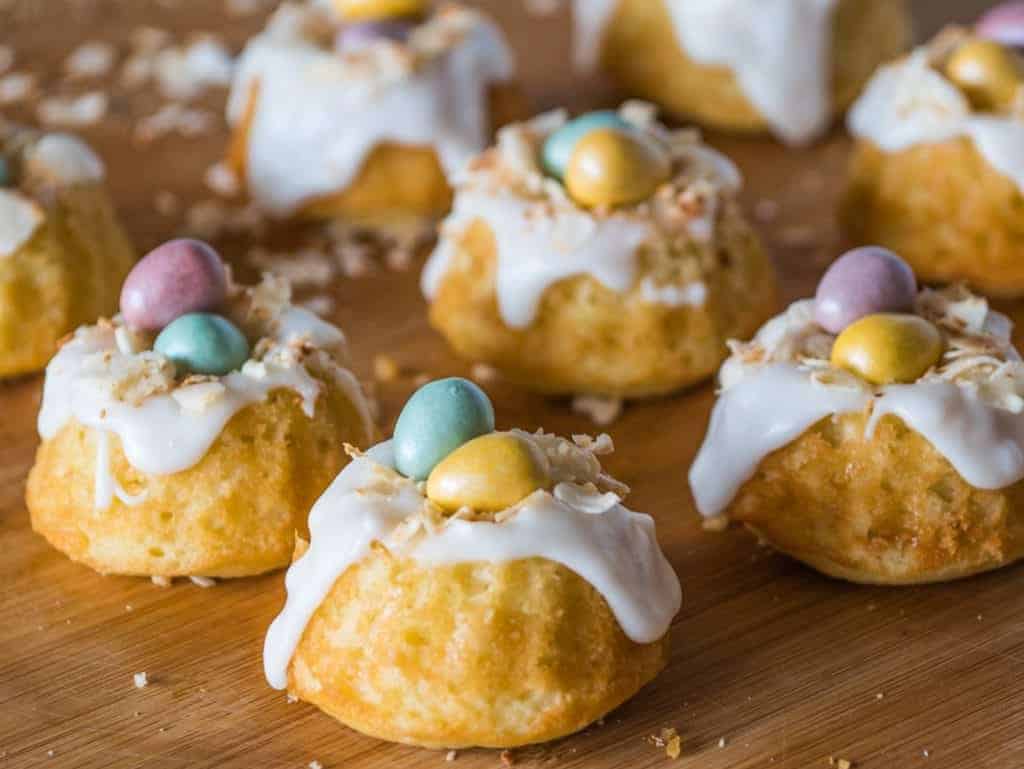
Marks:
<point>174,279</point>
<point>1004,24</point>
<point>861,282</point>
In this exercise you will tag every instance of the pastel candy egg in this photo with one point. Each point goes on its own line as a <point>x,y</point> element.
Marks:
<point>203,343</point>
<point>987,72</point>
<point>373,10</point>
<point>436,420</point>
<point>1004,24</point>
<point>559,145</point>
<point>360,35</point>
<point>888,348</point>
<point>489,474</point>
<point>611,167</point>
<point>176,278</point>
<point>862,282</point>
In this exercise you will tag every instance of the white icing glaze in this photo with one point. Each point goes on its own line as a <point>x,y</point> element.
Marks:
<point>19,219</point>
<point>909,103</point>
<point>611,547</point>
<point>541,237</point>
<point>63,159</point>
<point>318,117</point>
<point>976,423</point>
<point>778,50</point>
<point>164,432</point>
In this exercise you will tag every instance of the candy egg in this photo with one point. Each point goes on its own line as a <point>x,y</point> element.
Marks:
<point>888,348</point>
<point>862,282</point>
<point>488,474</point>
<point>362,34</point>
<point>559,145</point>
<point>436,420</point>
<point>176,278</point>
<point>987,72</point>
<point>611,167</point>
<point>1004,24</point>
<point>202,343</point>
<point>374,10</point>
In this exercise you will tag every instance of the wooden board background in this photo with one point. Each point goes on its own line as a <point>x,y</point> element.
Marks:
<point>788,667</point>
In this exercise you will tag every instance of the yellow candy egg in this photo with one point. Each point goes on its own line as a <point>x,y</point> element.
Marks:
<point>616,167</point>
<point>987,72</point>
<point>374,10</point>
<point>888,348</point>
<point>488,474</point>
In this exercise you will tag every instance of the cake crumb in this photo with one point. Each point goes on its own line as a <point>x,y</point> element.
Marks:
<point>16,87</point>
<point>160,581</point>
<point>85,110</point>
<point>601,410</point>
<point>49,753</point>
<point>879,696</point>
<point>203,581</point>
<point>450,755</point>
<point>926,753</point>
<point>141,680</point>
<point>92,59</point>
<point>222,180</point>
<point>721,742</point>
<point>291,699</point>
<point>506,758</point>
<point>716,523</point>
<point>840,763</point>
<point>385,368</point>
<point>483,373</point>
<point>315,765</point>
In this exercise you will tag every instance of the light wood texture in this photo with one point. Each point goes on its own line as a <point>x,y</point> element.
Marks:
<point>789,668</point>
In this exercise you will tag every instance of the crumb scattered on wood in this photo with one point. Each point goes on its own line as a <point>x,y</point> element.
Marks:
<point>141,680</point>
<point>601,410</point>
<point>203,581</point>
<point>385,368</point>
<point>506,758</point>
<point>160,581</point>
<point>450,755</point>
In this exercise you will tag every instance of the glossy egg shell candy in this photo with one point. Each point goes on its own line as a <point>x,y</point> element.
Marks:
<point>888,348</point>
<point>611,167</point>
<point>202,343</point>
<point>559,145</point>
<point>863,282</point>
<point>436,420</point>
<point>376,10</point>
<point>174,279</point>
<point>1004,24</point>
<point>988,72</point>
<point>488,474</point>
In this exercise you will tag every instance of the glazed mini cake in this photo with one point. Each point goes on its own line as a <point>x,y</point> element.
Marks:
<point>876,432</point>
<point>466,587</point>
<point>603,255</point>
<point>938,173</point>
<point>189,435</point>
<point>784,66</point>
<point>362,109</point>
<point>62,251</point>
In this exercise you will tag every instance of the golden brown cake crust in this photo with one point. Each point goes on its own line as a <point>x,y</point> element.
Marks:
<point>233,514</point>
<point>641,52</point>
<point>69,273</point>
<point>587,338</point>
<point>472,654</point>
<point>888,510</point>
<point>944,209</point>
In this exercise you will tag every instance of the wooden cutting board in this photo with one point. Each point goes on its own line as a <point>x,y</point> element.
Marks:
<point>772,665</point>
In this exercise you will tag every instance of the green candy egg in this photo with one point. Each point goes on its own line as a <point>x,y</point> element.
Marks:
<point>203,343</point>
<point>559,145</point>
<point>436,420</point>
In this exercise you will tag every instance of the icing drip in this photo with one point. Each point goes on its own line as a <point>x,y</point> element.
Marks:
<point>611,547</point>
<point>778,50</point>
<point>165,429</point>
<point>909,103</point>
<point>317,112</point>
<point>780,385</point>
<point>19,219</point>
<point>107,486</point>
<point>542,237</point>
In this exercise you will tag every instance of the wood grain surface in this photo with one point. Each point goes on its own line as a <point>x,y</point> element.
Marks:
<point>772,665</point>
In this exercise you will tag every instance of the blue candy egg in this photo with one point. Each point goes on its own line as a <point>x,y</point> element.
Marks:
<point>436,420</point>
<point>203,343</point>
<point>558,147</point>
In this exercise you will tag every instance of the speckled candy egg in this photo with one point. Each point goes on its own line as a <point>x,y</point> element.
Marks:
<point>374,10</point>
<point>988,72</point>
<point>203,343</point>
<point>489,474</point>
<point>612,167</point>
<point>1004,24</point>
<point>176,278</point>
<point>862,282</point>
<point>559,145</point>
<point>360,35</point>
<point>436,420</point>
<point>888,348</point>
